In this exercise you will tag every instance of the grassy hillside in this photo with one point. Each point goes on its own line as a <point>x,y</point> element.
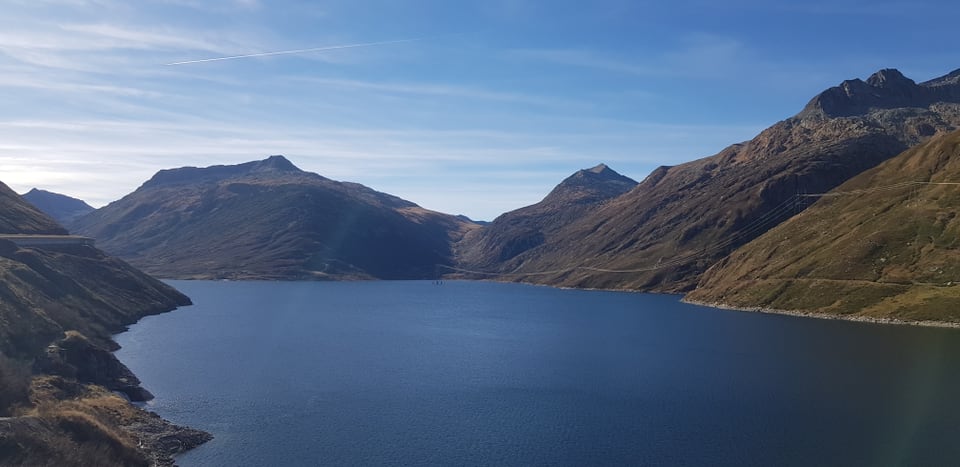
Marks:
<point>885,244</point>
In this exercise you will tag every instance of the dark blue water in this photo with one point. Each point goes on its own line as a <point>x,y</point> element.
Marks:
<point>472,373</point>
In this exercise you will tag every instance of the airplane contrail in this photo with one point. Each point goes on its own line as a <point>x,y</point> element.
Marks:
<point>297,51</point>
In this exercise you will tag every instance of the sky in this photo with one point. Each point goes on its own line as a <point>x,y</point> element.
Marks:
<point>466,107</point>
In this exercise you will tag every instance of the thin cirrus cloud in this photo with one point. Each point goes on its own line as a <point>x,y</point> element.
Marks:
<point>296,51</point>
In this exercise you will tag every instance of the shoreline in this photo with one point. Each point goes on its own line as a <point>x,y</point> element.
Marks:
<point>756,309</point>
<point>717,305</point>
<point>810,314</point>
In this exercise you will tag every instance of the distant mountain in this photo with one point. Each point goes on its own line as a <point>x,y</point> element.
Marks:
<point>269,219</point>
<point>662,234</point>
<point>59,307</point>
<point>17,216</point>
<point>885,244</point>
<point>60,207</point>
<point>467,219</point>
<point>498,245</point>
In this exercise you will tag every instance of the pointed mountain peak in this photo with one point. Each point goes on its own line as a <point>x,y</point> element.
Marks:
<point>593,184</point>
<point>599,173</point>
<point>889,78</point>
<point>600,168</point>
<point>276,162</point>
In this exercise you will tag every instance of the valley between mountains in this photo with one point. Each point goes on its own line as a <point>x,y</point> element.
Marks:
<point>847,209</point>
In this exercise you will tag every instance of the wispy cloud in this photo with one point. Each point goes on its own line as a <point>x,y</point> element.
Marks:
<point>438,90</point>
<point>296,51</point>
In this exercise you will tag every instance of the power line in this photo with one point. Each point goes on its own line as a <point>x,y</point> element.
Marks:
<point>754,227</point>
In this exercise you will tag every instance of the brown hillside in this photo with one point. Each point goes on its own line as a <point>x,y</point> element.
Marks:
<point>59,307</point>
<point>682,219</point>
<point>517,231</point>
<point>268,219</point>
<point>17,216</point>
<point>885,244</point>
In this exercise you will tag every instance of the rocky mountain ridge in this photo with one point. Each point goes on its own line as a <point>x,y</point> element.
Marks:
<point>663,233</point>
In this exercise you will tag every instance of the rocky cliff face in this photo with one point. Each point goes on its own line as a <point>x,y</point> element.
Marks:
<point>886,244</point>
<point>664,233</point>
<point>269,219</point>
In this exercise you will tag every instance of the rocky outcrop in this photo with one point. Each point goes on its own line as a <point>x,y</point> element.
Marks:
<point>76,424</point>
<point>76,357</point>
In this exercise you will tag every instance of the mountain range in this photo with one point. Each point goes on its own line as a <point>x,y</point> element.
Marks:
<point>665,232</point>
<point>596,229</point>
<point>270,220</point>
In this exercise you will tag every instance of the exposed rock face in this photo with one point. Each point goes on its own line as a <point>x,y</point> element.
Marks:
<point>509,235</point>
<point>60,207</point>
<point>883,245</point>
<point>82,425</point>
<point>885,89</point>
<point>664,233</point>
<point>270,220</point>
<point>76,357</point>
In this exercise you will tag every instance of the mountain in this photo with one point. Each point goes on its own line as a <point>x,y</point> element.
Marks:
<point>60,207</point>
<point>497,244</point>
<point>886,244</point>
<point>19,217</point>
<point>270,220</point>
<point>662,234</point>
<point>59,306</point>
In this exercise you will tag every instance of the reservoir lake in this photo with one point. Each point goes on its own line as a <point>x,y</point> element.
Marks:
<point>483,373</point>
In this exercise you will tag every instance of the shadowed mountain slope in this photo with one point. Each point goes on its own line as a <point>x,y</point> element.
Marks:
<point>518,231</point>
<point>60,207</point>
<point>885,244</point>
<point>664,233</point>
<point>269,219</point>
<point>17,216</point>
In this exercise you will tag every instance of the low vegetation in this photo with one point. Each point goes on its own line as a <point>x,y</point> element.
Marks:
<point>883,245</point>
<point>58,310</point>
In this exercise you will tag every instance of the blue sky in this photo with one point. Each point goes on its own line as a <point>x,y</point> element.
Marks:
<point>492,105</point>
